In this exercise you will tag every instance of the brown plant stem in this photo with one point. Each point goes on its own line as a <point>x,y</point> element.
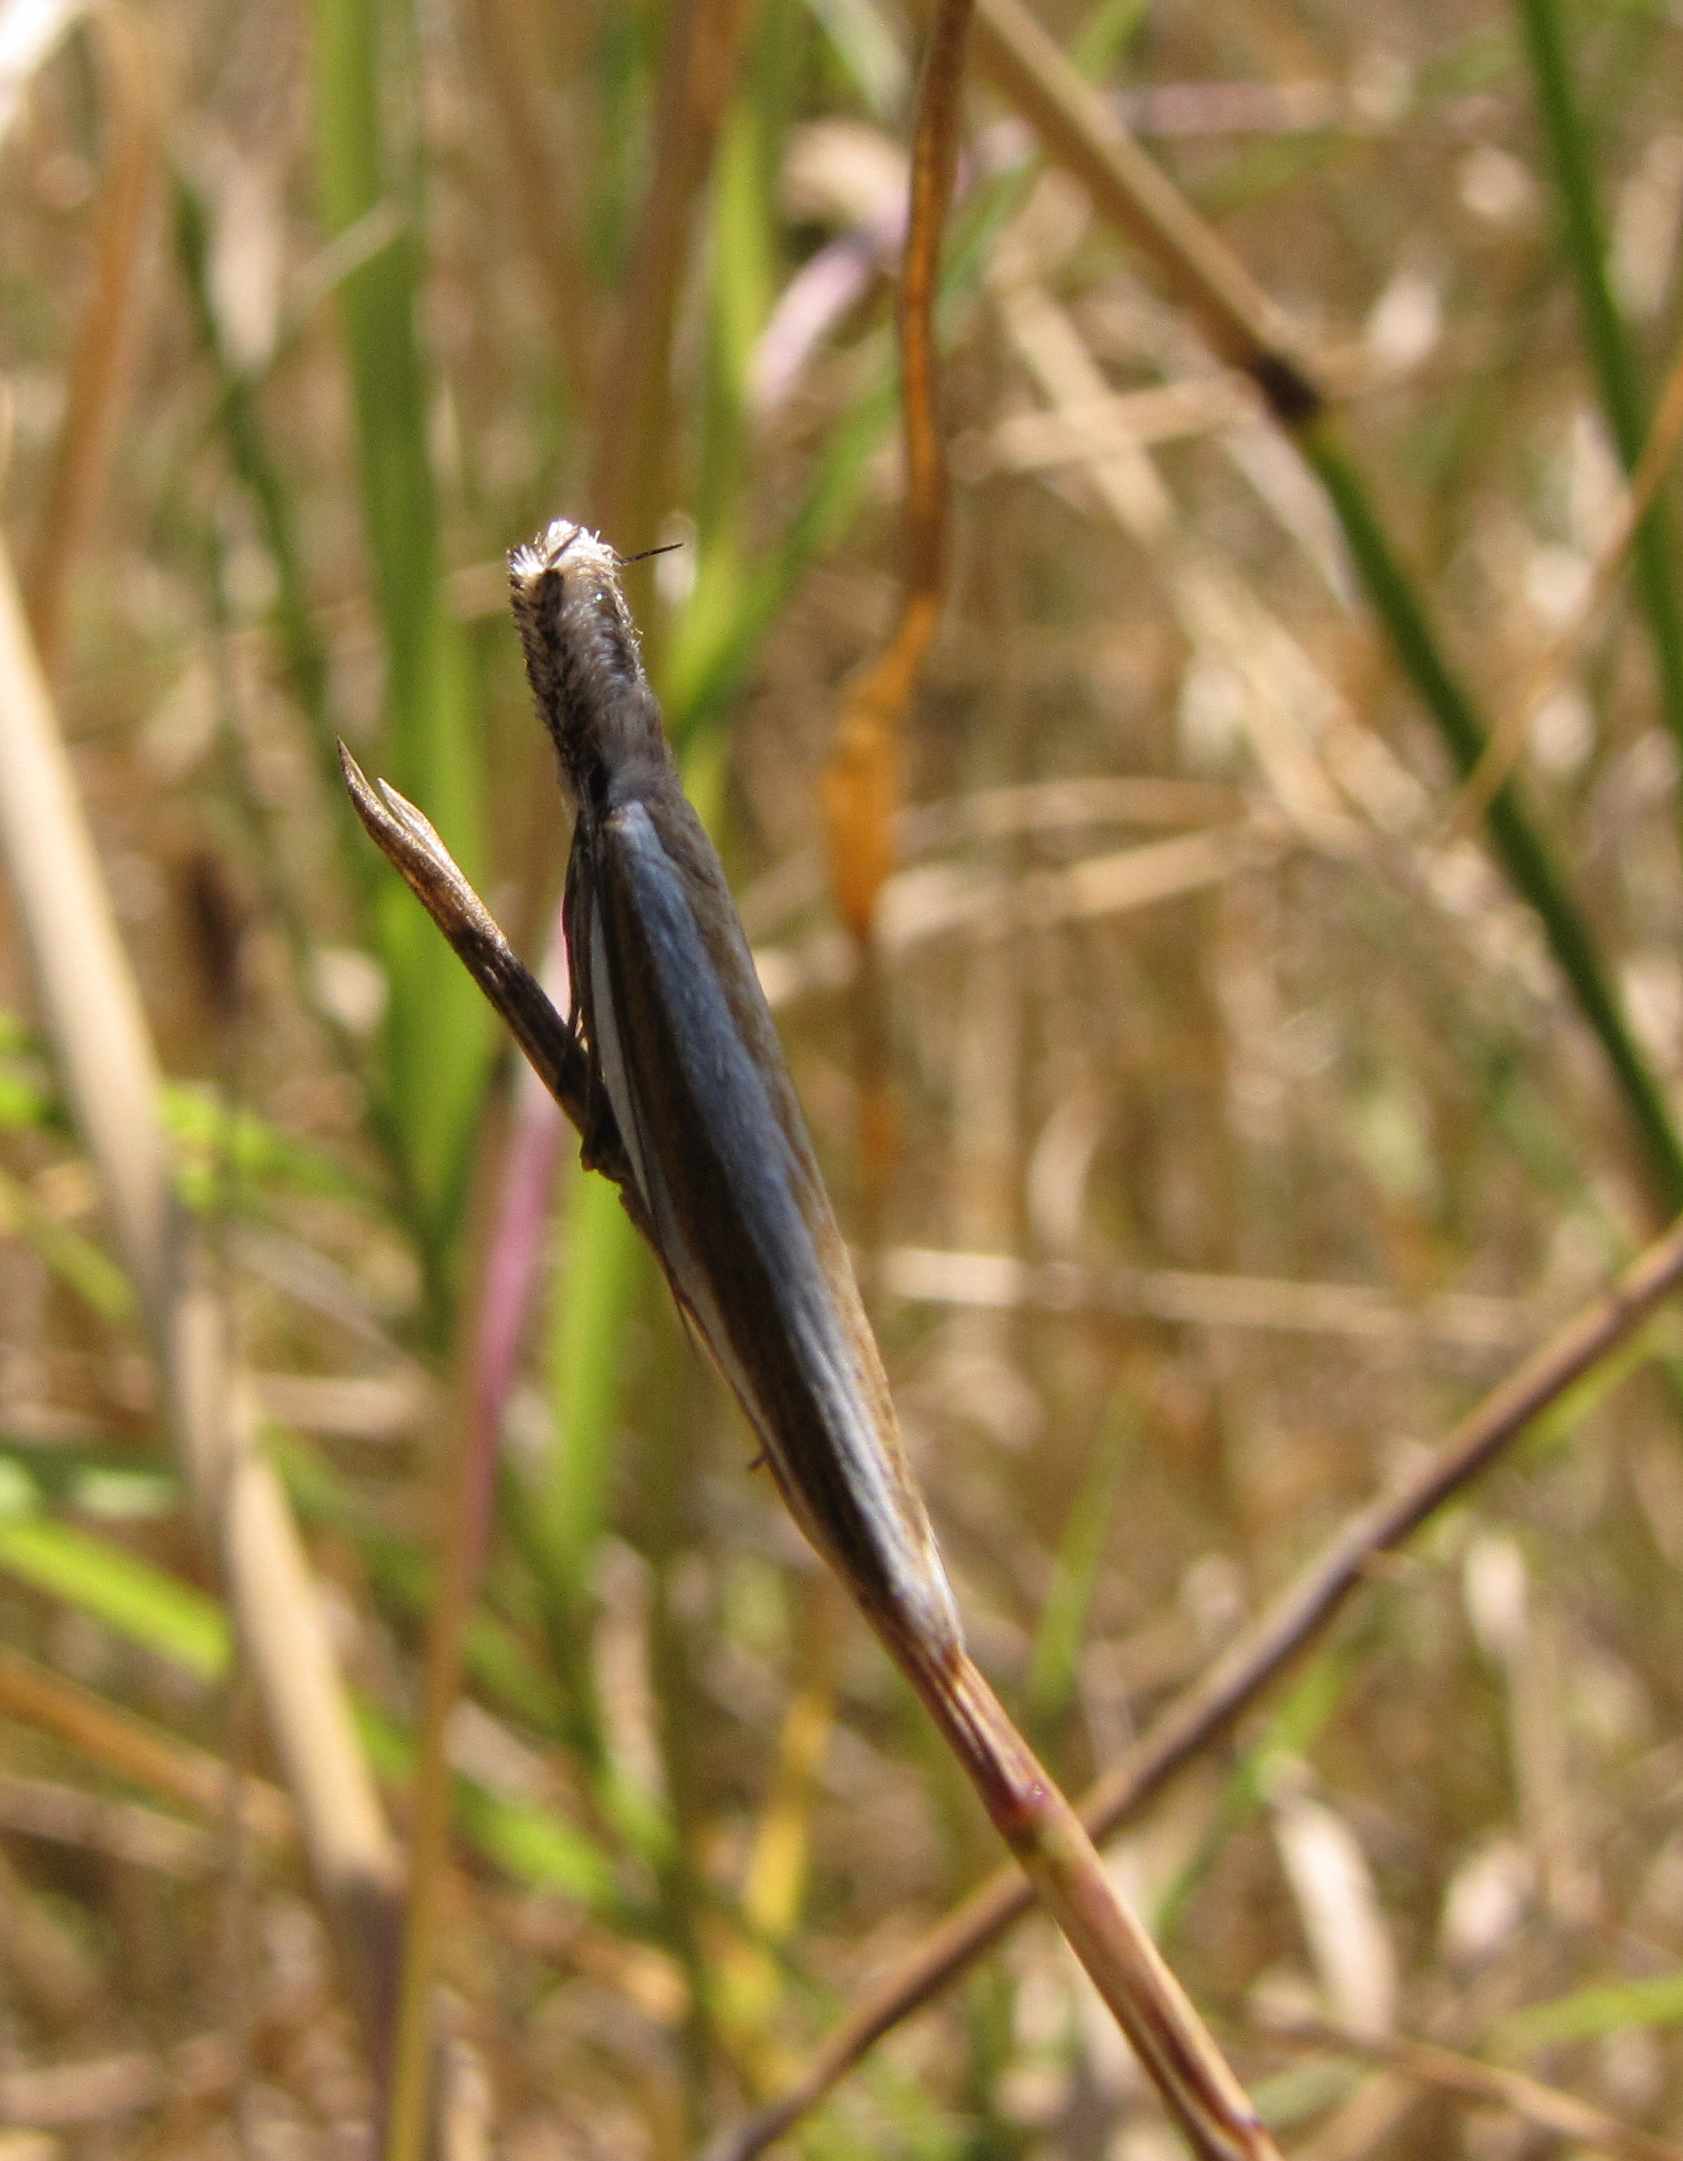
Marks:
<point>120,1743</point>
<point>1065,1870</point>
<point>1298,1618</point>
<point>99,372</point>
<point>861,784</point>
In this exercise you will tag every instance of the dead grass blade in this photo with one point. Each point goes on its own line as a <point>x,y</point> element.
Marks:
<point>1077,131</point>
<point>134,1751</point>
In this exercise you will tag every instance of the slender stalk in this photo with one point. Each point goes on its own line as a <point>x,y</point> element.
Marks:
<point>1299,1617</point>
<point>1556,2115</point>
<point>437,1047</point>
<point>1525,854</point>
<point>862,780</point>
<point>1550,666</point>
<point>464,1491</point>
<point>260,476</point>
<point>99,371</point>
<point>1069,1876</point>
<point>632,431</point>
<point>1616,372</point>
<point>1078,130</point>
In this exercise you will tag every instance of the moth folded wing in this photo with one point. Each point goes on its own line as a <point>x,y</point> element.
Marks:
<point>696,1079</point>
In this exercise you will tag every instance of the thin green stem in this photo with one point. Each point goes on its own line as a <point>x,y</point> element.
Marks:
<point>1524,852</point>
<point>437,1040</point>
<point>1616,373</point>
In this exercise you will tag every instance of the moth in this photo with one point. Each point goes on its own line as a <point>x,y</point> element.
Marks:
<point>670,1066</point>
<point>690,1103</point>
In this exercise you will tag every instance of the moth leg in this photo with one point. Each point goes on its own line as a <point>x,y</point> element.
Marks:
<point>602,1146</point>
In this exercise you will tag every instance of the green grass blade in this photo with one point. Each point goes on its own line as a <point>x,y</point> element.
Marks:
<point>605,1277</point>
<point>1054,1667</point>
<point>86,1478</point>
<point>146,1606</point>
<point>130,1597</point>
<point>79,1264</point>
<point>1611,357</point>
<point>260,474</point>
<point>1589,2014</point>
<point>438,1038</point>
<point>1524,853</point>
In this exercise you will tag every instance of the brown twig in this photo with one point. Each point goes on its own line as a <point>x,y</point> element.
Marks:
<point>1299,1617</point>
<point>98,375</point>
<point>862,781</point>
<point>410,844</point>
<point>861,784</point>
<point>125,1745</point>
<point>546,166</point>
<point>1064,1871</point>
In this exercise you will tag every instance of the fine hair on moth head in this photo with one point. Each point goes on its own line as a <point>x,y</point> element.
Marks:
<point>557,540</point>
<point>560,538</point>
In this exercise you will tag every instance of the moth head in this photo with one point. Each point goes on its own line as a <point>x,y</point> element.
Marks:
<point>582,654</point>
<point>562,546</point>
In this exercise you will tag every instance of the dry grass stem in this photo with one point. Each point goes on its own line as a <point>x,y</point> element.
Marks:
<point>92,1012</point>
<point>98,374</point>
<point>703,46</point>
<point>862,780</point>
<point>1182,1297</point>
<point>1074,128</point>
<point>133,1751</point>
<point>1299,1617</point>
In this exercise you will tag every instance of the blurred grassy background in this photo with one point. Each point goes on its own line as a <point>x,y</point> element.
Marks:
<point>1245,1128</point>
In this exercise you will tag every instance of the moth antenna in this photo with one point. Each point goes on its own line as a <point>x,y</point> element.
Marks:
<point>667,547</point>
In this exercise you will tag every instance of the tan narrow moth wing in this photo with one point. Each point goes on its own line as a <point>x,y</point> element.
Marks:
<point>694,1074</point>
